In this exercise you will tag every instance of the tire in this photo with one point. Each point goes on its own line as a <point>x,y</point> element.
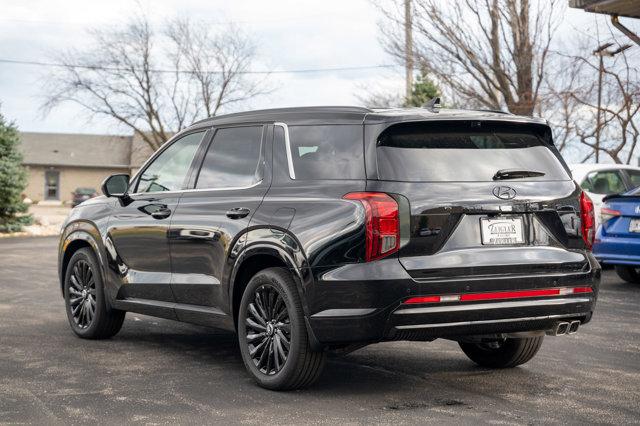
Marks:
<point>628,273</point>
<point>271,314</point>
<point>507,353</point>
<point>83,285</point>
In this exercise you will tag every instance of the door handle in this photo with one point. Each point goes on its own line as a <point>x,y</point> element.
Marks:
<point>161,213</point>
<point>238,213</point>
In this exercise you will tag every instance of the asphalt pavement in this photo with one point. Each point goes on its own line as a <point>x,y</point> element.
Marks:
<point>159,371</point>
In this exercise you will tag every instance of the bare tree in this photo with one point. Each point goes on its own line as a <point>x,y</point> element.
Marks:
<point>619,127</point>
<point>490,53</point>
<point>155,83</point>
<point>572,105</point>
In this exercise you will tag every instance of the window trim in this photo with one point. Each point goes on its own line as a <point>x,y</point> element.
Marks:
<point>287,143</point>
<point>211,141</point>
<point>134,181</point>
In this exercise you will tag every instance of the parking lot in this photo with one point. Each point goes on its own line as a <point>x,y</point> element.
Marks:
<point>157,371</point>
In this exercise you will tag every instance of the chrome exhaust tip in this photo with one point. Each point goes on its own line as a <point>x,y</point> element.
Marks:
<point>559,329</point>
<point>573,327</point>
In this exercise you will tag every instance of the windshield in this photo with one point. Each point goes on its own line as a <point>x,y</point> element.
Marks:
<point>465,151</point>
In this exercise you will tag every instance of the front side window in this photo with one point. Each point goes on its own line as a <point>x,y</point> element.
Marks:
<point>604,182</point>
<point>327,152</point>
<point>634,177</point>
<point>233,159</point>
<point>169,170</point>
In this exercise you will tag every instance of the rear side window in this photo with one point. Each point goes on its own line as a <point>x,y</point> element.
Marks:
<point>327,152</point>
<point>604,182</point>
<point>464,151</point>
<point>233,159</point>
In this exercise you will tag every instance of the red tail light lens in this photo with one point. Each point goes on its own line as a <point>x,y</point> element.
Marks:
<point>587,219</point>
<point>382,223</point>
<point>607,214</point>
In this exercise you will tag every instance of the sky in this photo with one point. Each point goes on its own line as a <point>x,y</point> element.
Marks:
<point>290,35</point>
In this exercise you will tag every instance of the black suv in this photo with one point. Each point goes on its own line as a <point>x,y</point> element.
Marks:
<point>310,230</point>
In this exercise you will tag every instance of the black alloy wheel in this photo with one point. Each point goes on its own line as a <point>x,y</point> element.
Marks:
<point>82,294</point>
<point>268,330</point>
<point>89,314</point>
<point>272,333</point>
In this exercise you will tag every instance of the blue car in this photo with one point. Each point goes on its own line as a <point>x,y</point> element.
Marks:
<point>617,242</point>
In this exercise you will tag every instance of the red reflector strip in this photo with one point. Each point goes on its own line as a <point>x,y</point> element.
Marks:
<point>582,290</point>
<point>510,294</point>
<point>424,299</point>
<point>497,295</point>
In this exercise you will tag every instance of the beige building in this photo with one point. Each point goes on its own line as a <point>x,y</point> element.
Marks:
<point>59,163</point>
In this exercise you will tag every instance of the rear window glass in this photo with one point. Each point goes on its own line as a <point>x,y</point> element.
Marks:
<point>327,152</point>
<point>464,151</point>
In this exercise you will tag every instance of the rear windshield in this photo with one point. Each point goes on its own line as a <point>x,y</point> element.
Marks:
<point>465,151</point>
<point>327,152</point>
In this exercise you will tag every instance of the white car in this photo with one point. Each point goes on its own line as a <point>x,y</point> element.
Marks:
<point>599,180</point>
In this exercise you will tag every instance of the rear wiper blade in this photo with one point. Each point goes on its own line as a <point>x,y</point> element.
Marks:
<point>515,174</point>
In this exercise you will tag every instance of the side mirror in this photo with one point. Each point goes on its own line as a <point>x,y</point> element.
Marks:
<point>116,185</point>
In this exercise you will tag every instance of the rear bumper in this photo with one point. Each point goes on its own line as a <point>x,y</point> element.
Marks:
<point>353,310</point>
<point>617,251</point>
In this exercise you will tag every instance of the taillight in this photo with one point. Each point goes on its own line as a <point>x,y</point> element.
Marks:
<point>587,219</point>
<point>382,223</point>
<point>606,213</point>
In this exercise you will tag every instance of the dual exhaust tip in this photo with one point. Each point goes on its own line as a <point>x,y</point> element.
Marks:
<point>562,328</point>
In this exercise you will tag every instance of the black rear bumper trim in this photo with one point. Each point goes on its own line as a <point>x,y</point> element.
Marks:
<point>492,305</point>
<point>482,322</point>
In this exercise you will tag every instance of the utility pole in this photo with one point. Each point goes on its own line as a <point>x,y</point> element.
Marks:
<point>408,49</point>
<point>601,52</point>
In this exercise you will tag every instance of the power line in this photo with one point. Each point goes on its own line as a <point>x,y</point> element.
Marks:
<point>168,71</point>
<point>207,21</point>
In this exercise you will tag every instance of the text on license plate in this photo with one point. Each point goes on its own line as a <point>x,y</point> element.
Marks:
<point>502,230</point>
<point>634,225</point>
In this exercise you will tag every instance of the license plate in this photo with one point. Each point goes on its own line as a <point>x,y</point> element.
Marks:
<point>634,225</point>
<point>502,230</point>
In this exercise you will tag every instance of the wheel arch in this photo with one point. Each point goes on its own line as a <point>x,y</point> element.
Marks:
<point>252,260</point>
<point>70,244</point>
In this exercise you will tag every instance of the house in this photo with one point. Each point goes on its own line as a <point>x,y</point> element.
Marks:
<point>58,163</point>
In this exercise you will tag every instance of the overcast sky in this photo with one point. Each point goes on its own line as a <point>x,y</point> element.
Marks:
<point>290,34</point>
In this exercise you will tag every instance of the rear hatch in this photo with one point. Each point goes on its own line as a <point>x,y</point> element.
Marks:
<point>480,198</point>
<point>620,216</point>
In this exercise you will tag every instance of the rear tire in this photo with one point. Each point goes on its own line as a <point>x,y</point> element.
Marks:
<point>272,334</point>
<point>628,273</point>
<point>88,313</point>
<point>507,353</point>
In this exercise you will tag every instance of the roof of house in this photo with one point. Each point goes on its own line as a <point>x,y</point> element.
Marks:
<point>78,150</point>
<point>629,8</point>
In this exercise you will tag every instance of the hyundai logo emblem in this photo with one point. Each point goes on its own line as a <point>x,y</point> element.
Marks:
<point>504,192</point>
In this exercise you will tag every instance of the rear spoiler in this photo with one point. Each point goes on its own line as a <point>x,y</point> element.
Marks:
<point>611,196</point>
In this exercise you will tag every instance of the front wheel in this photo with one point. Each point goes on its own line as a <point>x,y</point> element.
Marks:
<point>272,335</point>
<point>628,273</point>
<point>505,353</point>
<point>89,315</point>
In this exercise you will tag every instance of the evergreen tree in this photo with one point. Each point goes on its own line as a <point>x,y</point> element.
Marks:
<point>13,180</point>
<point>423,90</point>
